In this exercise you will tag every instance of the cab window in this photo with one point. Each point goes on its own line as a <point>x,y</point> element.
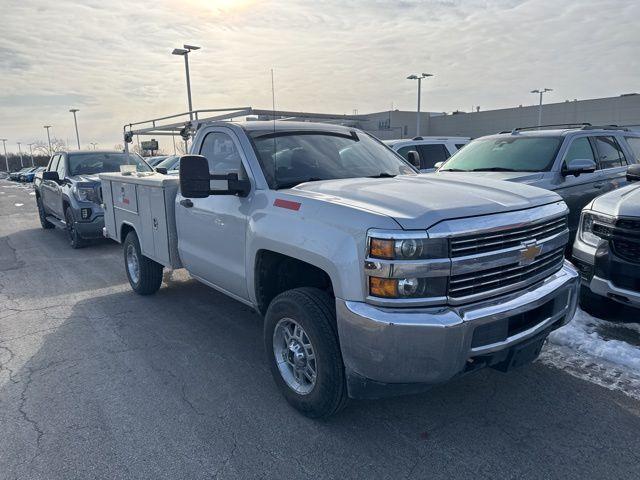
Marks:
<point>580,149</point>
<point>610,154</point>
<point>221,153</point>
<point>634,144</point>
<point>430,154</point>
<point>53,164</point>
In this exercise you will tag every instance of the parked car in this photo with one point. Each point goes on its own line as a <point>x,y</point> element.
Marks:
<point>15,176</point>
<point>607,248</point>
<point>169,164</point>
<point>154,161</point>
<point>30,174</point>
<point>68,191</point>
<point>431,150</point>
<point>579,163</point>
<point>373,280</point>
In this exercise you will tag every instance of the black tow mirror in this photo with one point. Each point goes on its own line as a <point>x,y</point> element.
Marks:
<point>414,158</point>
<point>161,170</point>
<point>197,182</point>
<point>51,175</point>
<point>633,173</point>
<point>577,166</point>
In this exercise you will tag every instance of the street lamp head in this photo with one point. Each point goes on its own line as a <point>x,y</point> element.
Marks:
<point>74,110</point>
<point>46,126</point>
<point>179,51</point>
<point>548,89</point>
<point>412,77</point>
<point>425,75</point>
<point>535,91</point>
<point>191,47</point>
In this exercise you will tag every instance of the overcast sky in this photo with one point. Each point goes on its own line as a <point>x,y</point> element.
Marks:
<point>111,59</point>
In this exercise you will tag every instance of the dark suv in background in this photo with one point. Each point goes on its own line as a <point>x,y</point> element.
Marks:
<point>68,192</point>
<point>579,162</point>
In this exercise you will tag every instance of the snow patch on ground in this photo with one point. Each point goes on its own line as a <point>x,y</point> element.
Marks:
<point>585,348</point>
<point>18,204</point>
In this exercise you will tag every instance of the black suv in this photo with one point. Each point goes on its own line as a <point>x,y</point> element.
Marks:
<point>68,192</point>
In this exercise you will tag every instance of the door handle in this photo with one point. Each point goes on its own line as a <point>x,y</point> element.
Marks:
<point>186,203</point>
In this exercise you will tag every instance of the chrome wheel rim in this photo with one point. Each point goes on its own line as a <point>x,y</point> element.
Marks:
<point>133,265</point>
<point>295,356</point>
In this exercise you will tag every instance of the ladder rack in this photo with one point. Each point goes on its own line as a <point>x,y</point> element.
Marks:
<point>186,123</point>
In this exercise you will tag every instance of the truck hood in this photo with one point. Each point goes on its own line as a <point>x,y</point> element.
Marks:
<point>623,202</point>
<point>420,201</point>
<point>529,178</point>
<point>85,178</point>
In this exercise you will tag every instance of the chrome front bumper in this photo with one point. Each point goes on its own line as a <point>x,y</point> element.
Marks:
<point>432,345</point>
<point>604,287</point>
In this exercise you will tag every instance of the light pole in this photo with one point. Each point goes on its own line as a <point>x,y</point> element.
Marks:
<point>541,92</point>
<point>185,53</point>
<point>94,145</point>
<point>75,121</point>
<point>20,152</point>
<point>33,164</point>
<point>419,78</point>
<point>6,158</point>
<point>47,127</point>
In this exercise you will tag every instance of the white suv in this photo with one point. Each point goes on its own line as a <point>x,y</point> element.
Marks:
<point>431,150</point>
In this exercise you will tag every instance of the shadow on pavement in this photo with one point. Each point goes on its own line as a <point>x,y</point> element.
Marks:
<point>175,386</point>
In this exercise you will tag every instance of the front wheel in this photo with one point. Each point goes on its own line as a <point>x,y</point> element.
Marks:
<point>145,275</point>
<point>302,347</point>
<point>72,232</point>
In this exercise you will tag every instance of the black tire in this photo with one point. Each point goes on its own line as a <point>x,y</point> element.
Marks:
<point>149,276</point>
<point>75,240</point>
<point>597,305</point>
<point>46,224</point>
<point>314,311</point>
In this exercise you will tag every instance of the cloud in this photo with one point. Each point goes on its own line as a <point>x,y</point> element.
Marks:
<point>329,56</point>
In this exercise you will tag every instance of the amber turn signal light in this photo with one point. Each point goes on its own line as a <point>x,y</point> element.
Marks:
<point>383,287</point>
<point>380,248</point>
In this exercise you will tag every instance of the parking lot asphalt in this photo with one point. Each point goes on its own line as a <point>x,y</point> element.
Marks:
<point>98,382</point>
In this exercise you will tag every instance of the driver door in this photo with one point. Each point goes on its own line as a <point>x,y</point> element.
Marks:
<point>212,230</point>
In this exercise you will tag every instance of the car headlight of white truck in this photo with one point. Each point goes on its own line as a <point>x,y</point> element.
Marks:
<point>404,265</point>
<point>595,228</point>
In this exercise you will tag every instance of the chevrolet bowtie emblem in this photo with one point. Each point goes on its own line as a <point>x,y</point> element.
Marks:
<point>529,252</point>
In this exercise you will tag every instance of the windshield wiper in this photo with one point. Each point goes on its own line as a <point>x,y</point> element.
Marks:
<point>281,186</point>
<point>454,170</point>
<point>382,175</point>
<point>494,169</point>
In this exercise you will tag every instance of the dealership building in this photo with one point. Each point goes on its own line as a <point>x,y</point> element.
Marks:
<point>623,110</point>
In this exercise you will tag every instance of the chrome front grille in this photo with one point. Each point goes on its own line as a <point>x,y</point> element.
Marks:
<point>510,276</point>
<point>497,240</point>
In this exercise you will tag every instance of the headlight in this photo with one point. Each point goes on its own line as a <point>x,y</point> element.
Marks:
<point>408,248</point>
<point>86,194</point>
<point>595,228</point>
<point>407,287</point>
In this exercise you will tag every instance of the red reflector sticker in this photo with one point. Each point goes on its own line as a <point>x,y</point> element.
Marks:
<point>286,204</point>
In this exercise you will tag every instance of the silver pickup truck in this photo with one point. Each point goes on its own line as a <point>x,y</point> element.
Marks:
<point>373,280</point>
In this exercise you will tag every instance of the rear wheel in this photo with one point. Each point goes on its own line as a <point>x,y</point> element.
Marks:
<point>75,240</point>
<point>302,346</point>
<point>144,274</point>
<point>46,224</point>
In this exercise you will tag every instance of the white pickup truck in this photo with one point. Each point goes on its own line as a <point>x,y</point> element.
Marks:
<point>373,280</point>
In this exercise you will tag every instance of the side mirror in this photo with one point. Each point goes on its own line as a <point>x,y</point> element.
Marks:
<point>414,158</point>
<point>633,173</point>
<point>51,175</point>
<point>161,170</point>
<point>197,182</point>
<point>578,166</point>
<point>437,165</point>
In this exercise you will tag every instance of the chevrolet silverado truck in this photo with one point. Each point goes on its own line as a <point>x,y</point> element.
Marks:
<point>373,280</point>
<point>607,249</point>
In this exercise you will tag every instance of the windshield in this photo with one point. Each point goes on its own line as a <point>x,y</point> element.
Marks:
<point>290,158</point>
<point>170,163</point>
<point>505,154</point>
<point>92,163</point>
